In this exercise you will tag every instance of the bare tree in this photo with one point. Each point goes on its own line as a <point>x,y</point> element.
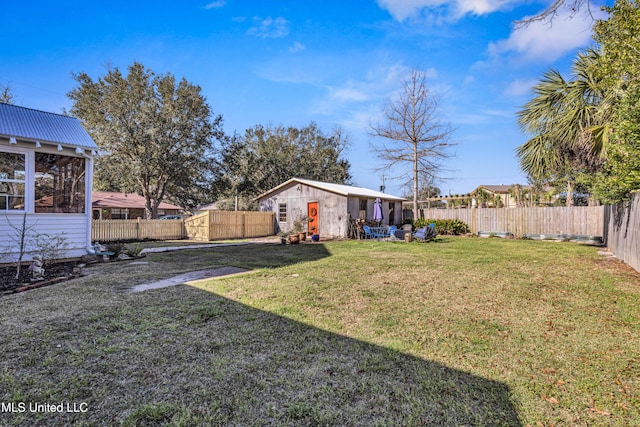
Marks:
<point>6,95</point>
<point>414,137</point>
<point>553,10</point>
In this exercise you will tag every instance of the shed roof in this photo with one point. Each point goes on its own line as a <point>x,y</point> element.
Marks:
<point>107,199</point>
<point>344,190</point>
<point>35,125</point>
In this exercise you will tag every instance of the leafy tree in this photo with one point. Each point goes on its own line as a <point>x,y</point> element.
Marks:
<point>268,156</point>
<point>618,67</point>
<point>416,139</point>
<point>568,120</point>
<point>159,133</point>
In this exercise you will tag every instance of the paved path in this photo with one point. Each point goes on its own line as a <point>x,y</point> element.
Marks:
<point>189,277</point>
<point>198,246</point>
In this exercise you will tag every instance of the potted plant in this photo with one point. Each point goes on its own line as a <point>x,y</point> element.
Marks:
<point>283,237</point>
<point>298,227</point>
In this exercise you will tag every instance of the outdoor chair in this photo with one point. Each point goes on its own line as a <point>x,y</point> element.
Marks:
<point>368,233</point>
<point>426,233</point>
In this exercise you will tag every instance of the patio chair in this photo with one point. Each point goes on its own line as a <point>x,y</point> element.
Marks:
<point>426,233</point>
<point>368,233</point>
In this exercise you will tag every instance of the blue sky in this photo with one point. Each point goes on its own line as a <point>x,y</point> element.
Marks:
<point>291,62</point>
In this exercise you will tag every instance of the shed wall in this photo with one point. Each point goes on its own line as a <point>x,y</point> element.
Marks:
<point>332,209</point>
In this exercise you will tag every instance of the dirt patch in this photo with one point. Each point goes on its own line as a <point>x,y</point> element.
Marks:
<point>53,274</point>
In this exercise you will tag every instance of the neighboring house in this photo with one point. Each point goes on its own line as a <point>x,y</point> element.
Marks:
<point>46,169</point>
<point>111,205</point>
<point>330,206</point>
<point>506,194</point>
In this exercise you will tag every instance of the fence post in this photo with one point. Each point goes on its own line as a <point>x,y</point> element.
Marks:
<point>138,228</point>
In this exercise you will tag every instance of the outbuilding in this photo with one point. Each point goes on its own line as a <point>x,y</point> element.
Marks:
<point>325,208</point>
<point>46,167</point>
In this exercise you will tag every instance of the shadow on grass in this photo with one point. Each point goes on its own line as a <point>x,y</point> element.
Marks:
<point>183,356</point>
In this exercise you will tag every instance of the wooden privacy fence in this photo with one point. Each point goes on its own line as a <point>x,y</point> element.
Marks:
<point>113,230</point>
<point>579,220</point>
<point>216,225</point>
<point>622,231</point>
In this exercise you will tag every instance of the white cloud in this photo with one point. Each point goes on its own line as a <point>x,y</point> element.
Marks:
<point>520,87</point>
<point>215,4</point>
<point>405,9</point>
<point>480,7</point>
<point>269,27</point>
<point>548,42</point>
<point>297,47</point>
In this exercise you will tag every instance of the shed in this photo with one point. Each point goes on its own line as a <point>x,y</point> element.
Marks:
<point>46,169</point>
<point>330,205</point>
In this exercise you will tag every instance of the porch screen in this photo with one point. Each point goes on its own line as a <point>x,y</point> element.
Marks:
<point>59,184</point>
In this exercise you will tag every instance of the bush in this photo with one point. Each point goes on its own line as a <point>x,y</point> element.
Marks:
<point>444,226</point>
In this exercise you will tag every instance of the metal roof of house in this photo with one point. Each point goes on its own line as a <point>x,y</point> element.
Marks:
<point>34,125</point>
<point>108,199</point>
<point>345,190</point>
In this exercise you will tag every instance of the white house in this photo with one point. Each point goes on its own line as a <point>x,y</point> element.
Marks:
<point>330,206</point>
<point>46,166</point>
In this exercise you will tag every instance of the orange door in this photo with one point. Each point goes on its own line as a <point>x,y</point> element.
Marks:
<point>312,214</point>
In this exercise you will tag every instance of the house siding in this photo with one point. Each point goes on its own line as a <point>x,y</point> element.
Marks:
<point>76,228</point>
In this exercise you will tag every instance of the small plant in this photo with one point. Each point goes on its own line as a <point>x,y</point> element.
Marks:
<point>116,248</point>
<point>21,238</point>
<point>133,251</point>
<point>50,247</point>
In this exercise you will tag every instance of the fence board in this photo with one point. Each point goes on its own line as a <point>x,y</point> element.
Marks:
<point>113,230</point>
<point>579,220</point>
<point>216,225</point>
<point>622,231</point>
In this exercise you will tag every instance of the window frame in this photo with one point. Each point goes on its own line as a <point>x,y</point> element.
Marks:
<point>28,161</point>
<point>282,214</point>
<point>64,211</point>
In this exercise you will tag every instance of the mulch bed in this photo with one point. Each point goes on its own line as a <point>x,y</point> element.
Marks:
<point>55,273</point>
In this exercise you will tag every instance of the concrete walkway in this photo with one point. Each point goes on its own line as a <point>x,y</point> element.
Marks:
<point>192,276</point>
<point>201,274</point>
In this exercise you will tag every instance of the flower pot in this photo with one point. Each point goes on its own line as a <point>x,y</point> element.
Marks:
<point>315,237</point>
<point>294,239</point>
<point>302,236</point>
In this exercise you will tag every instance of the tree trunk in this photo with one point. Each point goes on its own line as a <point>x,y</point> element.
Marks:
<point>569,194</point>
<point>415,181</point>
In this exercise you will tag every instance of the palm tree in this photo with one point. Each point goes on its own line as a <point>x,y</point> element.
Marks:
<point>568,120</point>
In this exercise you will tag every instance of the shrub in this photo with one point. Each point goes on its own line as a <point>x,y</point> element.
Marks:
<point>444,226</point>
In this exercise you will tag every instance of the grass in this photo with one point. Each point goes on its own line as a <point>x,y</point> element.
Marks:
<point>455,332</point>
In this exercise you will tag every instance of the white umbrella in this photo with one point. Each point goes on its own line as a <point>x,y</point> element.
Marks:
<point>377,211</point>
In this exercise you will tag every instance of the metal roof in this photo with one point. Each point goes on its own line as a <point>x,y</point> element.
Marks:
<point>345,190</point>
<point>34,125</point>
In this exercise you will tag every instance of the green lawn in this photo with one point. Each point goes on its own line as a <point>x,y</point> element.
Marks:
<point>460,331</point>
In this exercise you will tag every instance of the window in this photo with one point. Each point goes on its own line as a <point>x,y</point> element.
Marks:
<point>282,212</point>
<point>362,213</point>
<point>59,184</point>
<point>118,213</point>
<point>392,212</point>
<point>12,181</point>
